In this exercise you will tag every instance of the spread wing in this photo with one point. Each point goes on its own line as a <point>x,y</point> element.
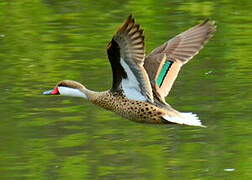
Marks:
<point>164,62</point>
<point>126,55</point>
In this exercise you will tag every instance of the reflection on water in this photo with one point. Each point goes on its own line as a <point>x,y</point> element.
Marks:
<point>42,137</point>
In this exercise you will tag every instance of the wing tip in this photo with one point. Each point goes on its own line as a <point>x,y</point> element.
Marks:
<point>129,21</point>
<point>130,16</point>
<point>132,30</point>
<point>210,23</point>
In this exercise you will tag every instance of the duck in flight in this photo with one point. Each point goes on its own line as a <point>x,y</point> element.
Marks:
<point>141,83</point>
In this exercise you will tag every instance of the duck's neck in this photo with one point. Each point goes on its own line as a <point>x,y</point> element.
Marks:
<point>89,94</point>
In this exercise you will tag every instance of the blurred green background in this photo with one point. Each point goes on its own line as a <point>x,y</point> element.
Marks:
<point>43,138</point>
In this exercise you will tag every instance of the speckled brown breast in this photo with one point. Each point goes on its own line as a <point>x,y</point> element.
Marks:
<point>138,111</point>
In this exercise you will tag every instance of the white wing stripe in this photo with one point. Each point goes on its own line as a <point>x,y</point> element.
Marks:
<point>130,85</point>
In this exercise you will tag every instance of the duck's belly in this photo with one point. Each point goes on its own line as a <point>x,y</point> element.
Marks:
<point>138,111</point>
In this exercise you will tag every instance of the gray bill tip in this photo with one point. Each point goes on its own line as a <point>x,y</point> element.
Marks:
<point>47,92</point>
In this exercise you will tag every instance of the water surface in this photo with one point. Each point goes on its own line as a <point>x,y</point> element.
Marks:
<point>41,137</point>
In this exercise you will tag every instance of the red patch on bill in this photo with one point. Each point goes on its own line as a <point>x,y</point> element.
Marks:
<point>55,91</point>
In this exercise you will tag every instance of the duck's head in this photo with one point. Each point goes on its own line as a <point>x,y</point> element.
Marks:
<point>68,88</point>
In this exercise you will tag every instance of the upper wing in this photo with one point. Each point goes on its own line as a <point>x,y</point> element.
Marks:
<point>164,62</point>
<point>126,55</point>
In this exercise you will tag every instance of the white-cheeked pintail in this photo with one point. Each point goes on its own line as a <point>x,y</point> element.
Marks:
<point>141,83</point>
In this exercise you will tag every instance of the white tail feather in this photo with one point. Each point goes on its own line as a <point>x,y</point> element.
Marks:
<point>185,118</point>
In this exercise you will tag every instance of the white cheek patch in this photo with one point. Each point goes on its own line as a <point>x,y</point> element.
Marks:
<point>130,85</point>
<point>66,91</point>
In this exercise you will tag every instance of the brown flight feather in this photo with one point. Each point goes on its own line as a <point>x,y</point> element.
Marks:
<point>129,44</point>
<point>180,50</point>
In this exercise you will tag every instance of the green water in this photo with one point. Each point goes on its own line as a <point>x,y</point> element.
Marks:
<point>42,138</point>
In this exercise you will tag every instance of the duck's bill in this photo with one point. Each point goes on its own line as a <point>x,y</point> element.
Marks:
<point>52,92</point>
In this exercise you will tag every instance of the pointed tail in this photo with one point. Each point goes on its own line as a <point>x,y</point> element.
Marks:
<point>187,118</point>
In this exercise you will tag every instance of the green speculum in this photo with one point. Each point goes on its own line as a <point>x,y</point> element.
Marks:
<point>160,79</point>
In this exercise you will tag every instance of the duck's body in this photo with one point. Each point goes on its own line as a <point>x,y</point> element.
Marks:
<point>138,111</point>
<point>140,84</point>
